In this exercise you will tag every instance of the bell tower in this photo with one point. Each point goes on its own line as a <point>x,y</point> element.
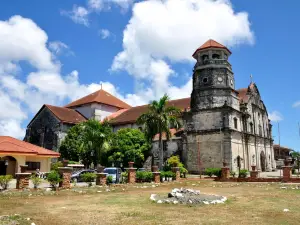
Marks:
<point>213,79</point>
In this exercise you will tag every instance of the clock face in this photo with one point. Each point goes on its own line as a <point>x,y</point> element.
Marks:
<point>220,79</point>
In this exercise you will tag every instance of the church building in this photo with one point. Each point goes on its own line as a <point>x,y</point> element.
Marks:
<point>220,123</point>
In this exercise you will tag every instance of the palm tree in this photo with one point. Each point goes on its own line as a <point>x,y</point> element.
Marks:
<point>95,137</point>
<point>158,120</point>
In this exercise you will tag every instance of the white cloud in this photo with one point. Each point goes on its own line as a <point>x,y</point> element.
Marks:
<point>178,28</point>
<point>104,33</point>
<point>58,48</point>
<point>78,14</point>
<point>275,116</point>
<point>12,128</point>
<point>96,5</point>
<point>296,104</point>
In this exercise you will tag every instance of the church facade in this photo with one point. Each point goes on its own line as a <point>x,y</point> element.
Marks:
<point>220,123</point>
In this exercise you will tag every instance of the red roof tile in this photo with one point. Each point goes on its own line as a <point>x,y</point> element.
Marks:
<point>242,94</point>
<point>211,44</point>
<point>9,145</point>
<point>164,137</point>
<point>100,96</point>
<point>131,115</point>
<point>66,115</point>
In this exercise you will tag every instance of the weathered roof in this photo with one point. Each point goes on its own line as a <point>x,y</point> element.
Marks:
<point>66,115</point>
<point>211,44</point>
<point>131,115</point>
<point>9,145</point>
<point>100,96</point>
<point>242,94</point>
<point>164,137</point>
<point>282,148</point>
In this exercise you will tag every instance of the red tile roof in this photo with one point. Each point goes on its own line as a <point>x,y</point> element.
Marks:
<point>242,94</point>
<point>211,44</point>
<point>66,115</point>
<point>9,145</point>
<point>100,96</point>
<point>131,115</point>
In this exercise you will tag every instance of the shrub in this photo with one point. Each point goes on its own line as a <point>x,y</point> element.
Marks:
<point>88,177</point>
<point>209,172</point>
<point>169,174</point>
<point>243,173</point>
<point>293,171</point>
<point>144,176</point>
<point>54,166</point>
<point>36,181</point>
<point>217,172</point>
<point>124,176</point>
<point>174,161</point>
<point>54,178</point>
<point>4,181</point>
<point>232,173</point>
<point>213,171</point>
<point>109,180</point>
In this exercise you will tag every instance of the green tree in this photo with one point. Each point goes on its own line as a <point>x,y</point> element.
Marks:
<point>158,120</point>
<point>71,146</point>
<point>86,142</point>
<point>129,145</point>
<point>96,138</point>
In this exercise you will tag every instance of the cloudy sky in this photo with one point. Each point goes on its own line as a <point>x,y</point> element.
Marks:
<point>56,51</point>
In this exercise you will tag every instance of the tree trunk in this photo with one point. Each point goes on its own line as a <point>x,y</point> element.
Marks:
<point>161,152</point>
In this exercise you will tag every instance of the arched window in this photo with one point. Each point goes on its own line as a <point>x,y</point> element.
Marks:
<point>216,56</point>
<point>204,58</point>
<point>235,121</point>
<point>260,130</point>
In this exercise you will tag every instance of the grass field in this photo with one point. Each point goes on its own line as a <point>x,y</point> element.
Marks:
<point>248,203</point>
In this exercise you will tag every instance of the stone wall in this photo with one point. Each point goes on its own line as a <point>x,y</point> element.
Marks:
<point>43,130</point>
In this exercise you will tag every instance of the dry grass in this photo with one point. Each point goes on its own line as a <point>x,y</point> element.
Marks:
<point>248,203</point>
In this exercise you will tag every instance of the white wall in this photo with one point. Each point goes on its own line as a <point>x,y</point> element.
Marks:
<point>96,110</point>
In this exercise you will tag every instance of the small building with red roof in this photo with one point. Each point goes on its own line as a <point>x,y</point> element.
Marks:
<point>15,153</point>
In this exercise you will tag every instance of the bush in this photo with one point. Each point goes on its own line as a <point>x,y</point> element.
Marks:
<point>109,180</point>
<point>88,178</point>
<point>54,166</point>
<point>232,173</point>
<point>144,176</point>
<point>36,181</point>
<point>169,174</point>
<point>124,176</point>
<point>209,172</point>
<point>4,181</point>
<point>213,171</point>
<point>174,161</point>
<point>54,178</point>
<point>243,173</point>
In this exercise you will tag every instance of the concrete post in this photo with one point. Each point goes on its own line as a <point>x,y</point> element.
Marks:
<point>225,171</point>
<point>101,179</point>
<point>65,173</point>
<point>287,173</point>
<point>23,168</point>
<point>156,174</point>
<point>22,180</point>
<point>254,172</point>
<point>176,170</point>
<point>131,173</point>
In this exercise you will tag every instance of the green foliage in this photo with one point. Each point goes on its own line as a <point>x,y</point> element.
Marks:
<point>4,181</point>
<point>124,177</point>
<point>144,176</point>
<point>243,173</point>
<point>174,161</point>
<point>158,120</point>
<point>54,166</point>
<point>232,173</point>
<point>128,145</point>
<point>88,178</point>
<point>213,171</point>
<point>73,162</point>
<point>36,181</point>
<point>87,142</point>
<point>109,179</point>
<point>54,178</point>
<point>169,174</point>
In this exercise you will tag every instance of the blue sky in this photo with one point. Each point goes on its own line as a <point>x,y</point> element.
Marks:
<point>56,51</point>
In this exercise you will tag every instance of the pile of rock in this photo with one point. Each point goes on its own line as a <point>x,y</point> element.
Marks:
<point>188,196</point>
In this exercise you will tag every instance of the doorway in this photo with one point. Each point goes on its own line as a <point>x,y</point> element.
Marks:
<point>2,168</point>
<point>262,161</point>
